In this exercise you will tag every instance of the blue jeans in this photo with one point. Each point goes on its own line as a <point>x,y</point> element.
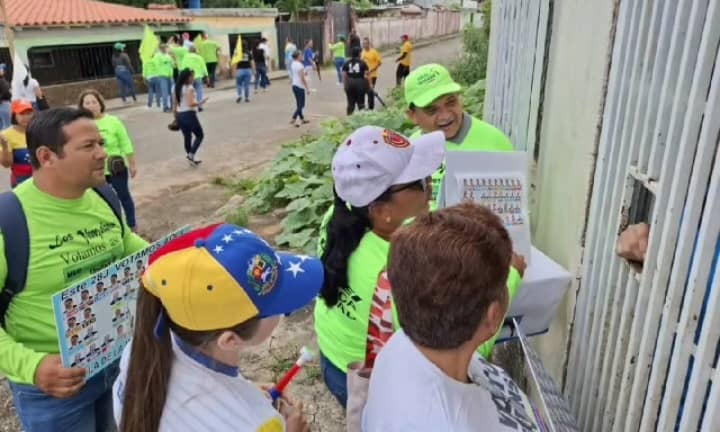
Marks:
<point>199,93</point>
<point>165,90</point>
<point>243,78</point>
<point>5,115</point>
<point>154,90</point>
<point>261,77</point>
<point>127,84</point>
<point>335,380</point>
<point>189,126</point>
<point>299,102</point>
<point>90,410</point>
<point>339,62</point>
<point>121,184</point>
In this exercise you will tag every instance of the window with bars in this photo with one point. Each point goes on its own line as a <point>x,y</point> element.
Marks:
<point>64,64</point>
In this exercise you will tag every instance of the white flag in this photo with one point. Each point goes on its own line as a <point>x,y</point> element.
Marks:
<point>19,74</point>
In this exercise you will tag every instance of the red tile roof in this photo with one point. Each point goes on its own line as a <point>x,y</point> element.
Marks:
<point>40,13</point>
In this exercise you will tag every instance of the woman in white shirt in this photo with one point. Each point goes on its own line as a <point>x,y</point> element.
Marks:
<point>299,88</point>
<point>205,297</point>
<point>186,106</point>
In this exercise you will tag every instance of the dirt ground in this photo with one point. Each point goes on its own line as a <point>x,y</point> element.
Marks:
<point>169,195</point>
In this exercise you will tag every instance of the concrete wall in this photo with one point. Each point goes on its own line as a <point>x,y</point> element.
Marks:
<point>219,27</point>
<point>386,31</point>
<point>579,53</point>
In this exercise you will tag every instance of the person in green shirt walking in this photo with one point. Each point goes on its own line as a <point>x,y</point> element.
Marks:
<point>120,166</point>
<point>165,65</point>
<point>210,50</point>
<point>59,204</point>
<point>196,63</point>
<point>338,50</point>
<point>150,71</point>
<point>434,103</point>
<point>178,53</point>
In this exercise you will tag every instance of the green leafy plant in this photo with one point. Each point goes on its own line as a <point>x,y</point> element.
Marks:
<point>472,66</point>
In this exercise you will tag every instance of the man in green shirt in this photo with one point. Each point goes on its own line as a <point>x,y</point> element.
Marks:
<point>165,65</point>
<point>434,102</point>
<point>196,63</point>
<point>64,216</point>
<point>150,73</point>
<point>209,51</point>
<point>338,50</point>
<point>177,52</point>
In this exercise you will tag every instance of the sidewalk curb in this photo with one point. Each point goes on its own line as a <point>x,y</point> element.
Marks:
<point>228,84</point>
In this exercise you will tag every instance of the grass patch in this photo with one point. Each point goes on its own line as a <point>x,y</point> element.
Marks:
<point>239,217</point>
<point>237,186</point>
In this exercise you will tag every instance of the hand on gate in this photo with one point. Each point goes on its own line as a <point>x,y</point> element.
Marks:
<point>518,261</point>
<point>56,380</point>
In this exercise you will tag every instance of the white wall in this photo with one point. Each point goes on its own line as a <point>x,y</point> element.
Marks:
<point>579,54</point>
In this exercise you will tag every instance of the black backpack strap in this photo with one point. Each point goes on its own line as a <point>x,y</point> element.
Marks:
<point>108,194</point>
<point>16,237</point>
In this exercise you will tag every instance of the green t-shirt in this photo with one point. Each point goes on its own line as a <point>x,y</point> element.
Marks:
<point>150,68</point>
<point>69,241</point>
<point>179,52</point>
<point>165,65</point>
<point>342,329</point>
<point>338,49</point>
<point>209,50</point>
<point>115,135</point>
<point>196,63</point>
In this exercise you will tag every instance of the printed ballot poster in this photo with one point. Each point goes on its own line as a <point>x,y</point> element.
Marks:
<point>498,181</point>
<point>95,317</point>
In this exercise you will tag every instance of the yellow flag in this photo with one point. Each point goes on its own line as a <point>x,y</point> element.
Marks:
<point>149,45</point>
<point>237,57</point>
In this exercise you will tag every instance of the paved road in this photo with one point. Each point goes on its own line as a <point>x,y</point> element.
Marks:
<point>241,135</point>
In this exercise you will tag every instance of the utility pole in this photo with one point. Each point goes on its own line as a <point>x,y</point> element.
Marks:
<point>9,36</point>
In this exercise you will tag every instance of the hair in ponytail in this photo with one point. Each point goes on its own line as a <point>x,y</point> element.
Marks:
<point>346,228</point>
<point>148,373</point>
<point>150,366</point>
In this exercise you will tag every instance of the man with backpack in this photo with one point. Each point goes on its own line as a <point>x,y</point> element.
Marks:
<point>57,228</point>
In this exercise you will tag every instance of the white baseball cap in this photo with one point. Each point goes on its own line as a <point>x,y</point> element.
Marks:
<point>373,159</point>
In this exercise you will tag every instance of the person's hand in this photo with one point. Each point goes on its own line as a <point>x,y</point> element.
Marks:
<point>133,170</point>
<point>4,143</point>
<point>519,263</point>
<point>633,242</point>
<point>294,420</point>
<point>56,380</point>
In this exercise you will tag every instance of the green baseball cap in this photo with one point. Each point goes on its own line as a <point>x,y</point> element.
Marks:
<point>119,46</point>
<point>427,83</point>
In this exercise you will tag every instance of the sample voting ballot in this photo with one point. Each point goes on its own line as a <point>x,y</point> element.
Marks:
<point>499,181</point>
<point>95,317</point>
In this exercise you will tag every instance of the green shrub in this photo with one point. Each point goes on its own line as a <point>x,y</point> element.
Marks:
<point>472,66</point>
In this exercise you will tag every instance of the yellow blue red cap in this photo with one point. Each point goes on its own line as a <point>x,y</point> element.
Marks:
<point>223,275</point>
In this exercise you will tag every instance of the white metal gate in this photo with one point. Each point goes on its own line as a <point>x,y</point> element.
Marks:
<point>644,348</point>
<point>515,71</point>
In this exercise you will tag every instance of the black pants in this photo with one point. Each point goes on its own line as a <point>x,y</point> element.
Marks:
<point>371,95</point>
<point>189,126</point>
<point>211,73</point>
<point>400,74</point>
<point>299,93</point>
<point>356,89</point>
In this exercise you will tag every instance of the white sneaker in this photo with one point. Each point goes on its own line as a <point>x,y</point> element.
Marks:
<point>313,90</point>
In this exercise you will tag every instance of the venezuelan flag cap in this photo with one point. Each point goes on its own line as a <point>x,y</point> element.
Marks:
<point>223,275</point>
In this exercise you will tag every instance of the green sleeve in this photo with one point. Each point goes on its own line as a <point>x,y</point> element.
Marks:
<point>513,285</point>
<point>133,242</point>
<point>123,137</point>
<point>17,362</point>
